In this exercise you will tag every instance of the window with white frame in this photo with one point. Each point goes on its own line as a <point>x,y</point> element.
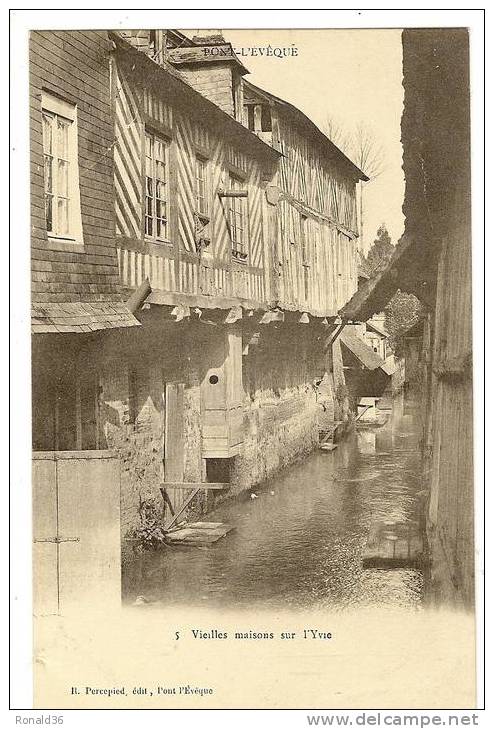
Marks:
<point>238,220</point>
<point>61,173</point>
<point>202,186</point>
<point>156,216</point>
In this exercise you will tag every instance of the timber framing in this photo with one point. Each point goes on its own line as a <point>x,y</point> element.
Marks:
<point>312,130</point>
<point>311,213</point>
<point>147,73</point>
<point>228,310</point>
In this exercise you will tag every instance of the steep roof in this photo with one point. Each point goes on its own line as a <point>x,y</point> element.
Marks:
<point>302,120</point>
<point>376,328</point>
<point>360,349</point>
<point>80,317</point>
<point>169,77</point>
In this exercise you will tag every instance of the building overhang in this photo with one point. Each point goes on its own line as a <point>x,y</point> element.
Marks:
<point>412,268</point>
<point>310,129</point>
<point>178,306</point>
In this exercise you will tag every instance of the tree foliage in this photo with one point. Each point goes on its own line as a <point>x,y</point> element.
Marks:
<point>381,250</point>
<point>402,312</point>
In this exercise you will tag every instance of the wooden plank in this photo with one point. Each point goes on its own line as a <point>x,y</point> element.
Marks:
<point>204,485</point>
<point>174,432</point>
<point>195,54</point>
<point>182,509</point>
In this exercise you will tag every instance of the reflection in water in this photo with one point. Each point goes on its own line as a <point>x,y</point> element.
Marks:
<point>300,544</point>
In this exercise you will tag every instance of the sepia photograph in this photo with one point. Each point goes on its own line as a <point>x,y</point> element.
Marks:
<point>252,368</point>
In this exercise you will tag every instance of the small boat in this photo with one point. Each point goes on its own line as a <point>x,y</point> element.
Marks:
<point>376,422</point>
<point>199,533</point>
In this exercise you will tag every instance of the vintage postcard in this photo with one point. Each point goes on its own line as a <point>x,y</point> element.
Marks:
<point>252,409</point>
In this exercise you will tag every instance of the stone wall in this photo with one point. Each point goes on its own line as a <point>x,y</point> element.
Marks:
<point>133,376</point>
<point>290,397</point>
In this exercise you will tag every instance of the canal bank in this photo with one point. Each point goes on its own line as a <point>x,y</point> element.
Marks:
<point>299,540</point>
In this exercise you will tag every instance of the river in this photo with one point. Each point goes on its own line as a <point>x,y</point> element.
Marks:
<point>300,543</point>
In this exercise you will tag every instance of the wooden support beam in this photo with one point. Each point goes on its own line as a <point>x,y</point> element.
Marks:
<point>180,312</point>
<point>200,485</point>
<point>233,315</point>
<point>182,509</point>
<point>233,193</point>
<point>257,118</point>
<point>333,336</point>
<point>253,342</point>
<point>139,296</point>
<point>271,316</point>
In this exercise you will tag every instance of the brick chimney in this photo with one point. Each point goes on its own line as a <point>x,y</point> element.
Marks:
<point>212,68</point>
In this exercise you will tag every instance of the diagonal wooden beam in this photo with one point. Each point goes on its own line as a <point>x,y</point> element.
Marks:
<point>139,296</point>
<point>182,509</point>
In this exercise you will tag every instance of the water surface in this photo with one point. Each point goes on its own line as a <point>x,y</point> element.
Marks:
<point>300,543</point>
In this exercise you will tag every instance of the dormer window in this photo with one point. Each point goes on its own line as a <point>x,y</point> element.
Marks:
<point>266,125</point>
<point>157,45</point>
<point>258,117</point>
<point>61,171</point>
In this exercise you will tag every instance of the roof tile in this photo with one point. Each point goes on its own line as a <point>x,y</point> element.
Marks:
<point>80,317</point>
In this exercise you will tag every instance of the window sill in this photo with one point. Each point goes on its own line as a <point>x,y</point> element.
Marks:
<point>58,243</point>
<point>158,242</point>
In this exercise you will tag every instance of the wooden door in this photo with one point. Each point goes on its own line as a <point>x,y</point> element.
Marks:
<point>76,531</point>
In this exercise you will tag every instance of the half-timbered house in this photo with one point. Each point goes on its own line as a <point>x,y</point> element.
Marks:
<point>235,232</point>
<point>315,248</point>
<point>223,222</point>
<point>316,254</point>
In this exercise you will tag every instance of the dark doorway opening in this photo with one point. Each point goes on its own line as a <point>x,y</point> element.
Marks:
<point>218,470</point>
